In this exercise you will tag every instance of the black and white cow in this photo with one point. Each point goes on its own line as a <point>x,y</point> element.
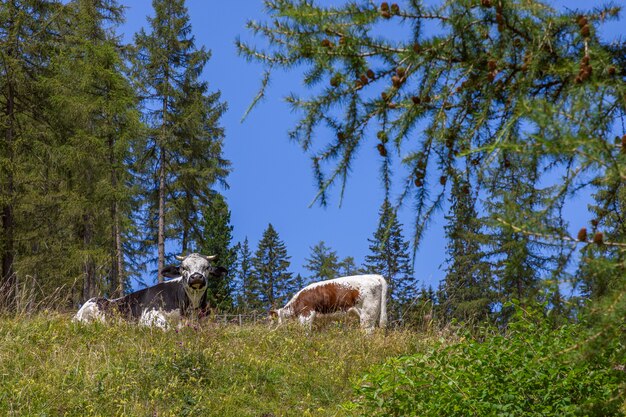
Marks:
<point>162,303</point>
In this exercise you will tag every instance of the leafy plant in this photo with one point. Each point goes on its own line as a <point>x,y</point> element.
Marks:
<point>529,371</point>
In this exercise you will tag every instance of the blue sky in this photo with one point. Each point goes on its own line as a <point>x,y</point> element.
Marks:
<point>272,181</point>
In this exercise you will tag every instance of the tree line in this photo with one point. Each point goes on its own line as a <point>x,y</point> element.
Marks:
<point>108,150</point>
<point>510,111</point>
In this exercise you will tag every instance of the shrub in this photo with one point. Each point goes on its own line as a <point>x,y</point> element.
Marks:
<point>532,370</point>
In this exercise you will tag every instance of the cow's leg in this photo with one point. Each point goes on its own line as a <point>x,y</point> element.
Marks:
<point>154,318</point>
<point>370,313</point>
<point>368,322</point>
<point>89,312</point>
<point>307,319</point>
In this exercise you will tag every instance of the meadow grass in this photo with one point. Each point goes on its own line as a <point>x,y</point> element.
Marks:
<point>50,366</point>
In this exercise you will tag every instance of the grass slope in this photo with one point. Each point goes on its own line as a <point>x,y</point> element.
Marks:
<point>52,367</point>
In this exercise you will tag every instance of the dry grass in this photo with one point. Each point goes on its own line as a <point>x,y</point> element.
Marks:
<point>50,366</point>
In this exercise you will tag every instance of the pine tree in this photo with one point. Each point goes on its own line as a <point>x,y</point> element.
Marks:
<point>243,279</point>
<point>467,283</point>
<point>25,50</point>
<point>185,141</point>
<point>466,89</point>
<point>348,267</point>
<point>519,262</point>
<point>389,257</point>
<point>602,266</point>
<point>216,240</point>
<point>523,91</point>
<point>96,124</point>
<point>324,263</point>
<point>271,282</point>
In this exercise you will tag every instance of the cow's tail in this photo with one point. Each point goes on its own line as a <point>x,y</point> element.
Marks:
<point>382,322</point>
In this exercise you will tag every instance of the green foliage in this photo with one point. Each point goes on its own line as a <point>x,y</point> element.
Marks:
<point>68,118</point>
<point>243,276</point>
<point>216,240</point>
<point>529,371</point>
<point>270,282</point>
<point>324,263</point>
<point>183,151</point>
<point>52,367</point>
<point>468,280</point>
<point>389,256</point>
<point>440,82</point>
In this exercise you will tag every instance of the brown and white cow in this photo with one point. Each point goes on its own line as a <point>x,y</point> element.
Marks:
<point>163,303</point>
<point>364,295</point>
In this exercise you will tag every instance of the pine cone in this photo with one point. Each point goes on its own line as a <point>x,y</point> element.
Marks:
<point>585,31</point>
<point>582,234</point>
<point>598,238</point>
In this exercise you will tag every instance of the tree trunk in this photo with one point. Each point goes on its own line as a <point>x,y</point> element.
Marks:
<point>9,282</point>
<point>89,269</point>
<point>161,233</point>
<point>162,159</point>
<point>117,262</point>
<point>119,256</point>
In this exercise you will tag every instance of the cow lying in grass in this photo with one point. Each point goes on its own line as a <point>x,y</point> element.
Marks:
<point>162,303</point>
<point>363,295</point>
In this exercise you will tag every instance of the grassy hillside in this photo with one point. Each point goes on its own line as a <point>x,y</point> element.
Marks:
<point>50,366</point>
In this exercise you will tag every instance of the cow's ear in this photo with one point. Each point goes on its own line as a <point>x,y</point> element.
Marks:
<point>170,271</point>
<point>220,270</point>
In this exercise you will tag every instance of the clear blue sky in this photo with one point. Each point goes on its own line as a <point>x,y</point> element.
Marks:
<point>272,181</point>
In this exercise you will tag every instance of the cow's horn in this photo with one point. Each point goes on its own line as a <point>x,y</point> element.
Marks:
<point>211,257</point>
<point>180,258</point>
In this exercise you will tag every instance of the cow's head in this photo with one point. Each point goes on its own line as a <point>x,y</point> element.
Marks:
<point>279,314</point>
<point>195,271</point>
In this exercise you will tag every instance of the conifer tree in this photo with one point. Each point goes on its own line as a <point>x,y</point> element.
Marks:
<point>510,76</point>
<point>324,263</point>
<point>25,50</point>
<point>520,262</point>
<point>467,283</point>
<point>216,240</point>
<point>508,84</point>
<point>602,266</point>
<point>185,141</point>
<point>348,267</point>
<point>271,282</point>
<point>96,123</point>
<point>389,256</point>
<point>244,290</point>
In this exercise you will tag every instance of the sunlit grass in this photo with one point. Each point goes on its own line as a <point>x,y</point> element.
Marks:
<point>50,366</point>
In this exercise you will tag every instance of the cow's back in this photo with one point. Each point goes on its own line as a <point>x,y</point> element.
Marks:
<point>339,294</point>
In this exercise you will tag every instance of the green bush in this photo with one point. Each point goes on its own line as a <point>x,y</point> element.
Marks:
<point>532,370</point>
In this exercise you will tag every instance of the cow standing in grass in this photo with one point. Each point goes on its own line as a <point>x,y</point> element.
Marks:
<point>363,295</point>
<point>163,303</point>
